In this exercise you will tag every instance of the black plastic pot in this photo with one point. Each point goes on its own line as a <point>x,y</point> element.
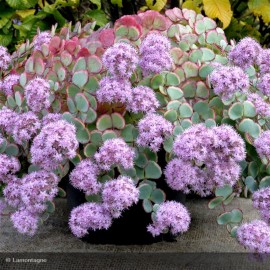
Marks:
<point>130,228</point>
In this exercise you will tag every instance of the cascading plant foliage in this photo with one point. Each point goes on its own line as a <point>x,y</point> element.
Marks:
<point>114,101</point>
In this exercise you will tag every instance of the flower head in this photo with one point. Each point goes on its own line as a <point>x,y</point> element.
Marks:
<point>37,93</point>
<point>261,201</point>
<point>261,106</point>
<point>42,38</point>
<point>155,54</point>
<point>262,145</point>
<point>84,177</point>
<point>255,236</point>
<point>115,152</point>
<point>51,118</point>
<point>26,127</point>
<point>8,165</point>
<point>153,130</point>
<point>143,100</point>
<point>55,143</point>
<point>5,58</point>
<point>12,192</point>
<point>37,188</point>
<point>264,84</point>
<point>25,222</point>
<point>245,53</point>
<point>226,81</point>
<point>264,60</point>
<point>171,216</point>
<point>119,194</point>
<point>89,216</point>
<point>114,90</point>
<point>8,83</point>
<point>7,120</point>
<point>121,60</point>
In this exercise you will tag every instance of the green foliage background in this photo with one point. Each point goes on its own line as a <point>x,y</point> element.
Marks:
<point>19,19</point>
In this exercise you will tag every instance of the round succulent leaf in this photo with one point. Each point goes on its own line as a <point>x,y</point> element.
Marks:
<point>215,202</point>
<point>195,56</point>
<point>81,102</point>
<point>90,149</point>
<point>92,85</point>
<point>172,79</point>
<point>152,170</point>
<point>39,66</point>
<point>12,150</point>
<point>224,191</point>
<point>104,122</point>
<point>253,169</point>
<point>78,123</point>
<point>91,116</point>
<point>168,144</point>
<point>23,79</point>
<point>190,69</point>
<point>18,98</point>
<point>202,91</point>
<point>229,199</point>
<point>67,117</point>
<point>127,133</point>
<point>216,103</point>
<point>171,115</point>
<point>199,27</point>
<point>158,196</point>
<point>50,207</point>
<point>208,55</point>
<point>185,110</point>
<point>11,102</point>
<point>162,100</point>
<point>184,46</point>
<point>249,126</point>
<point>79,65</point>
<point>73,90</point>
<point>93,198</point>
<point>224,218</point>
<point>94,64</point>
<point>141,160</point>
<point>173,105</point>
<point>83,136</point>
<point>175,93</point>
<point>145,191</point>
<point>234,231</point>
<point>80,78</point>
<point>29,65</point>
<point>205,70</point>
<point>210,123</point>
<point>186,123</point>
<point>66,58</point>
<point>71,106</point>
<point>147,206</point>
<point>177,130</point>
<point>56,105</point>
<point>155,207</point>
<point>3,146</point>
<point>157,81</point>
<point>150,155</point>
<point>118,121</point>
<point>76,160</point>
<point>61,193</point>
<point>201,107</point>
<point>189,89</point>
<point>108,134</point>
<point>139,172</point>
<point>236,216</point>
<point>236,111</point>
<point>61,74</point>
<point>195,118</point>
<point>249,109</point>
<point>96,137</point>
<point>265,182</point>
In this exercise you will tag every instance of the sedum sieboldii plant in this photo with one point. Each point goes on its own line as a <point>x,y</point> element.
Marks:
<point>120,102</point>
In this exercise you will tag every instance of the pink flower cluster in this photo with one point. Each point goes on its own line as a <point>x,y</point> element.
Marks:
<point>30,195</point>
<point>226,81</point>
<point>171,216</point>
<point>245,53</point>
<point>51,118</point>
<point>37,93</point>
<point>261,106</point>
<point>206,158</point>
<point>264,84</point>
<point>89,216</point>
<point>255,236</point>
<point>121,60</point>
<point>40,39</point>
<point>8,166</point>
<point>262,145</point>
<point>155,54</point>
<point>114,152</point>
<point>143,100</point>
<point>264,60</point>
<point>119,194</point>
<point>261,201</point>
<point>5,58</point>
<point>55,143</point>
<point>114,90</point>
<point>8,83</point>
<point>7,120</point>
<point>26,127</point>
<point>84,177</point>
<point>153,130</point>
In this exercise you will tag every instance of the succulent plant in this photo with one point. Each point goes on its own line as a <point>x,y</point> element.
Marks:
<point>122,114</point>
